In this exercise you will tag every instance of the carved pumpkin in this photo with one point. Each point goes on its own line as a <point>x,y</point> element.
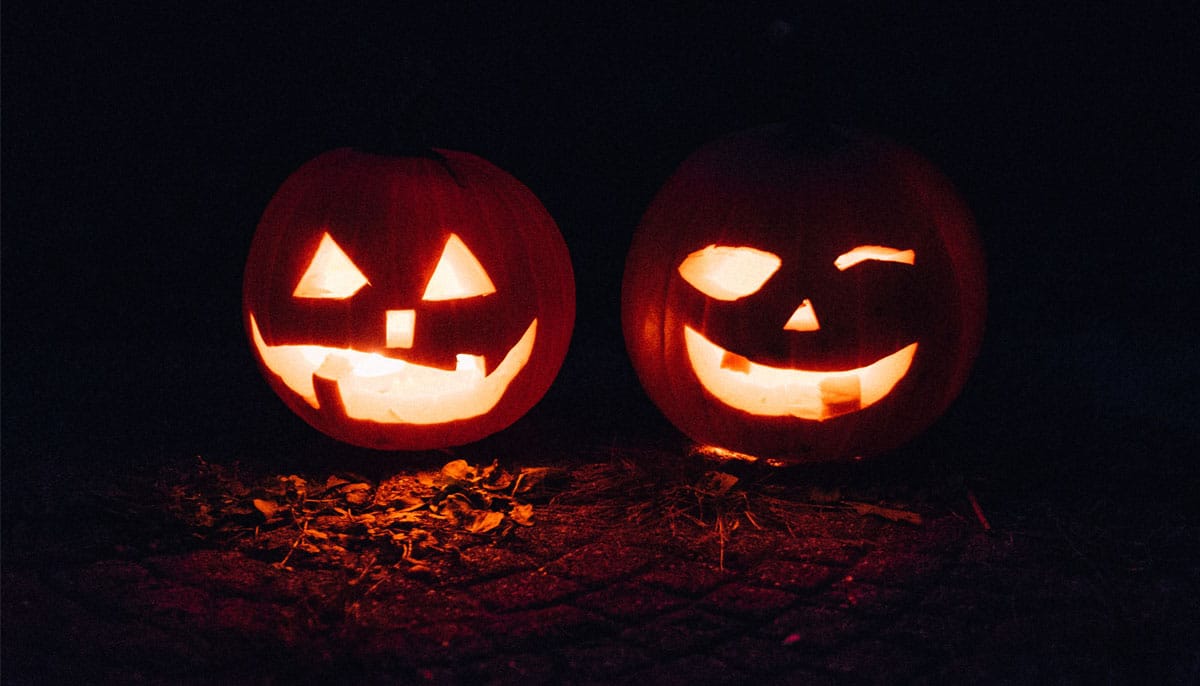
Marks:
<point>804,298</point>
<point>407,302</point>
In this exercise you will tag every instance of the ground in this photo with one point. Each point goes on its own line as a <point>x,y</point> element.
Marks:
<point>631,567</point>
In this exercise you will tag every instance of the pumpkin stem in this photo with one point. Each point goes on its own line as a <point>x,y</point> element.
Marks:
<point>802,72</point>
<point>406,149</point>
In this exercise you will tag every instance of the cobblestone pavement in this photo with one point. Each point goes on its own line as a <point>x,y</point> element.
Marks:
<point>586,597</point>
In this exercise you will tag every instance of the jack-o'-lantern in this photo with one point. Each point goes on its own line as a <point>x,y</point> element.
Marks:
<point>804,297</point>
<point>408,302</point>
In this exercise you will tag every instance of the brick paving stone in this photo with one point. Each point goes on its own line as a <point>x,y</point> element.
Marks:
<point>602,661</point>
<point>866,598</point>
<point>694,669</point>
<point>171,604</point>
<point>820,550</point>
<point>398,601</point>
<point>524,590</point>
<point>896,567</point>
<point>957,601</point>
<point>817,627</point>
<point>792,575</point>
<point>226,570</point>
<point>629,601</point>
<point>488,561</point>
<point>873,661</point>
<point>424,643</point>
<point>998,550</point>
<point>942,634</point>
<point>60,640</point>
<point>105,578</point>
<point>234,572</point>
<point>683,576</point>
<point>690,630</point>
<point>758,656</point>
<point>245,617</point>
<point>605,561</point>
<point>748,547</point>
<point>748,602</point>
<point>546,627</point>
<point>559,530</point>
<point>577,599</point>
<point>517,669</point>
<point>942,535</point>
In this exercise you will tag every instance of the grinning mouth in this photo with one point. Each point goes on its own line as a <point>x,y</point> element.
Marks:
<point>780,392</point>
<point>385,389</point>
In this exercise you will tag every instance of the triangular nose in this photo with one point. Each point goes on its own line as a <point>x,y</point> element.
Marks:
<point>803,319</point>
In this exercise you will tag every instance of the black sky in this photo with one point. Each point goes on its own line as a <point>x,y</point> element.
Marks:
<point>141,144</point>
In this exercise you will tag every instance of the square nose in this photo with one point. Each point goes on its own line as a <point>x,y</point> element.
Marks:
<point>399,327</point>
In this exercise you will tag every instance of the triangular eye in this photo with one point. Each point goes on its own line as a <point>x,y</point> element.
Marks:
<point>330,274</point>
<point>728,273</point>
<point>458,274</point>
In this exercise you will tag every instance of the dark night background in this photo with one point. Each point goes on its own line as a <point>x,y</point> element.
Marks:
<point>141,144</point>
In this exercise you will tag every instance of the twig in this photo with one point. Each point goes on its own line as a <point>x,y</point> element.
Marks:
<point>750,518</point>
<point>721,540</point>
<point>366,568</point>
<point>296,543</point>
<point>978,511</point>
<point>890,513</point>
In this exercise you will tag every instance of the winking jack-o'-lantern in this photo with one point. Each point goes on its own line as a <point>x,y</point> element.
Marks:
<point>804,297</point>
<point>407,303</point>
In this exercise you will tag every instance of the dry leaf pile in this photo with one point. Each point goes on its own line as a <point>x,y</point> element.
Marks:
<point>350,522</point>
<point>706,501</point>
<point>410,520</point>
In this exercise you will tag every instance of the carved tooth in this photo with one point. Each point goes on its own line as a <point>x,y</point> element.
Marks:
<point>335,366</point>
<point>735,363</point>
<point>469,364</point>
<point>842,392</point>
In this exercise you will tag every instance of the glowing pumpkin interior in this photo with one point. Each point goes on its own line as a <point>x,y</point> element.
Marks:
<point>370,385</point>
<point>730,273</point>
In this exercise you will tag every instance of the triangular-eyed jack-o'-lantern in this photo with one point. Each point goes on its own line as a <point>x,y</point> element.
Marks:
<point>407,303</point>
<point>804,297</point>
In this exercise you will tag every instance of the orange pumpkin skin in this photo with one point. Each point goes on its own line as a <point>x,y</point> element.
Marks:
<point>346,305</point>
<point>857,340</point>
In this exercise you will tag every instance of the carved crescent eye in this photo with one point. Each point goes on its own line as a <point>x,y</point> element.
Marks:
<point>728,273</point>
<point>458,274</point>
<point>873,252</point>
<point>331,274</point>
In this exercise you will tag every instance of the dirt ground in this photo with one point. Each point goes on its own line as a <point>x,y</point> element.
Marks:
<point>623,567</point>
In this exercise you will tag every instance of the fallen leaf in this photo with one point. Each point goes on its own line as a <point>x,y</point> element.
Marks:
<point>408,503</point>
<point>268,508</point>
<point>533,477</point>
<point>522,514</point>
<point>485,522</point>
<point>357,494</point>
<point>295,485</point>
<point>716,483</point>
<point>458,470</point>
